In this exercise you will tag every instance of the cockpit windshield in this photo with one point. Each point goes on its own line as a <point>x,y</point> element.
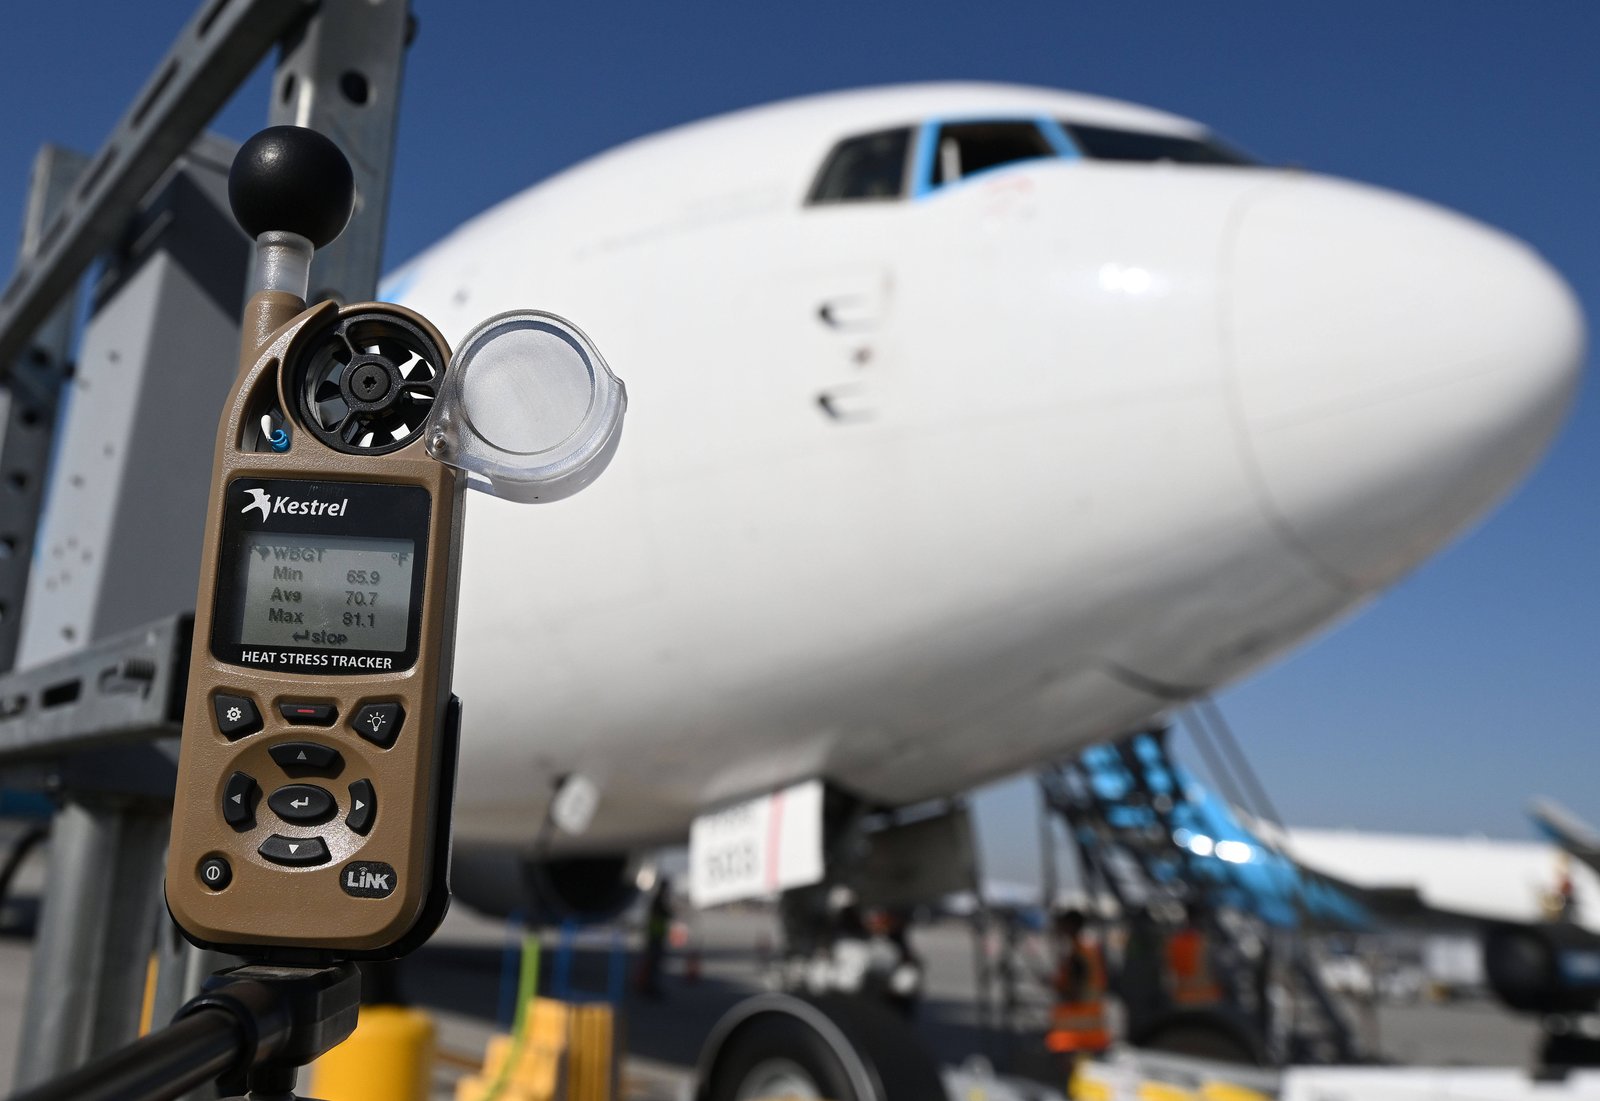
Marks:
<point>890,164</point>
<point>966,148</point>
<point>864,168</point>
<point>1105,143</point>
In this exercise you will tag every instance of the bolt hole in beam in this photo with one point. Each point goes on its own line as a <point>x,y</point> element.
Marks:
<point>154,94</point>
<point>210,18</point>
<point>58,694</point>
<point>288,88</point>
<point>355,87</point>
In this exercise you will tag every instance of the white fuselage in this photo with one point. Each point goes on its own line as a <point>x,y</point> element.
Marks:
<point>915,493</point>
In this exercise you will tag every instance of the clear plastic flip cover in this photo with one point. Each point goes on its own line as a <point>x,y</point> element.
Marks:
<point>528,408</point>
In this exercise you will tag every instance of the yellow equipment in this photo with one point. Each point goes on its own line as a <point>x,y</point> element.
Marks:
<point>388,1057</point>
<point>567,1053</point>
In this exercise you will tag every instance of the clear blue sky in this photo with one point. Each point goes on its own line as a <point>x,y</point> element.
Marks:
<point>1466,690</point>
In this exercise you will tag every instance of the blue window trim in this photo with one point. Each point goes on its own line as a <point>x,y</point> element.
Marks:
<point>397,285</point>
<point>927,142</point>
<point>1057,135</point>
<point>927,138</point>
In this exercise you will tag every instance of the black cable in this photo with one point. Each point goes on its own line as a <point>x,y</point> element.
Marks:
<point>1200,734</point>
<point>160,1067</point>
<point>1241,763</point>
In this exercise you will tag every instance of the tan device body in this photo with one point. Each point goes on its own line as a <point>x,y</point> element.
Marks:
<point>277,900</point>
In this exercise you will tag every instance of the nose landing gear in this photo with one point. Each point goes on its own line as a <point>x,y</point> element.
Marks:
<point>834,1047</point>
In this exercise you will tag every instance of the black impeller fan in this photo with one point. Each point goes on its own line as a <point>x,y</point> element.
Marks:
<point>368,383</point>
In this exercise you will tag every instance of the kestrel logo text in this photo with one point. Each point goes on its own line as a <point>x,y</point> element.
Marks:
<point>266,504</point>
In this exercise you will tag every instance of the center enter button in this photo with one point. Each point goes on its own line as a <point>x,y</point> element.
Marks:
<point>301,803</point>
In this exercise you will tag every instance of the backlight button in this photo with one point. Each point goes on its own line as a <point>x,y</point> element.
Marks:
<point>378,723</point>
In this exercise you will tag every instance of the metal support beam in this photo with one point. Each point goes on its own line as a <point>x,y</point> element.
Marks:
<point>102,899</point>
<point>33,396</point>
<point>124,692</point>
<point>119,544</point>
<point>213,54</point>
<point>340,75</point>
<point>91,726</point>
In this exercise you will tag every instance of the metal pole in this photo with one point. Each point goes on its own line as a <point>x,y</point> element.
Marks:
<point>181,969</point>
<point>1050,869</point>
<point>340,74</point>
<point>99,914</point>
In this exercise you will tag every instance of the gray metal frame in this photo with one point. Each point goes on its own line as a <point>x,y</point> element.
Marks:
<point>213,54</point>
<point>35,394</point>
<point>98,727</point>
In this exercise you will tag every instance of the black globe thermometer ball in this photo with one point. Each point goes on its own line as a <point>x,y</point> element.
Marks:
<point>288,178</point>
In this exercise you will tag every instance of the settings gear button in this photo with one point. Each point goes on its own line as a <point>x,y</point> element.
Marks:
<point>237,716</point>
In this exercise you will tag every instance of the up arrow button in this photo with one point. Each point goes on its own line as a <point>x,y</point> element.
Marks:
<point>307,758</point>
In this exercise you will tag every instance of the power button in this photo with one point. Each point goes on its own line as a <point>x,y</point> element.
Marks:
<point>215,873</point>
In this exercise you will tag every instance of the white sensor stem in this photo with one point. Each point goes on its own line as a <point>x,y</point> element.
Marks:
<point>283,263</point>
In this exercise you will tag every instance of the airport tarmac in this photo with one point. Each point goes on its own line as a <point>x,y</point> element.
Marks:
<point>460,977</point>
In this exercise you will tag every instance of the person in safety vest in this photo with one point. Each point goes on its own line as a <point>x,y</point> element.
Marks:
<point>658,923</point>
<point>1189,980</point>
<point>1078,1024</point>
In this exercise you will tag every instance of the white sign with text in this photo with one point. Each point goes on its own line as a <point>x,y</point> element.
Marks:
<point>757,848</point>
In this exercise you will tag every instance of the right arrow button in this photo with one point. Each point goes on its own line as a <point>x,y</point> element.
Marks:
<point>363,807</point>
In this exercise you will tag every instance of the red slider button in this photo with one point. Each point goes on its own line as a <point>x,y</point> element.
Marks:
<point>308,714</point>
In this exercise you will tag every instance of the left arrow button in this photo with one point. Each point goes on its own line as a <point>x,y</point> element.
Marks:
<point>239,802</point>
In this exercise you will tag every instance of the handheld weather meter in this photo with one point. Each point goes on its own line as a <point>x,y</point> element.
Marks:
<point>319,740</point>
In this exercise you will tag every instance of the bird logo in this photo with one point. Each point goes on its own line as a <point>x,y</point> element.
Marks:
<point>260,500</point>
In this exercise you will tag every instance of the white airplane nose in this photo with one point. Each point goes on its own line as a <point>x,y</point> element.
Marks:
<point>1397,368</point>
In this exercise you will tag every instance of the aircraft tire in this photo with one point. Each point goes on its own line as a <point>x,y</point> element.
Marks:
<point>835,1048</point>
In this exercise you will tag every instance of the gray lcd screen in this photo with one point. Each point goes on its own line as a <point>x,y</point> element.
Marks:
<point>328,591</point>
